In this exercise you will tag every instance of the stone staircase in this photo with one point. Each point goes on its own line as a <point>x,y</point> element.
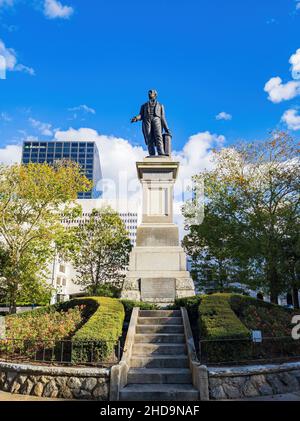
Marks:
<point>159,365</point>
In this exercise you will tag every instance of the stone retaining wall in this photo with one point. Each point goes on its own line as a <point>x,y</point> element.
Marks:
<point>253,381</point>
<point>55,382</point>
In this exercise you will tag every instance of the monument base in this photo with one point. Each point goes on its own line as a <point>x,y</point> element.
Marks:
<point>157,269</point>
<point>160,291</point>
<point>157,275</point>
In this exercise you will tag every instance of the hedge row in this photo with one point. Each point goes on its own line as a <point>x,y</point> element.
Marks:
<point>217,319</point>
<point>224,321</point>
<point>104,328</point>
<point>99,331</point>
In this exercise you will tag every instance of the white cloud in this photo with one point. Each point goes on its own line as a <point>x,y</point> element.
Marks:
<point>44,128</point>
<point>224,116</point>
<point>279,92</point>
<point>197,154</point>
<point>292,119</point>
<point>298,5</point>
<point>10,154</point>
<point>81,109</point>
<point>84,108</point>
<point>53,9</point>
<point>11,61</point>
<point>295,64</point>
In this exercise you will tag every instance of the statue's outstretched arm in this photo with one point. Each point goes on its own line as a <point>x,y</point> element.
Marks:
<point>136,118</point>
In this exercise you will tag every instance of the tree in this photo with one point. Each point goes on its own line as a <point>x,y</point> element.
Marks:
<point>252,197</point>
<point>103,251</point>
<point>210,245</point>
<point>32,199</point>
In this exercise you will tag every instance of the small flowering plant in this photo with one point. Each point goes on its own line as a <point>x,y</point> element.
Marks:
<point>33,331</point>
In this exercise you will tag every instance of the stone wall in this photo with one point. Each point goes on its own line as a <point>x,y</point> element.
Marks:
<point>253,381</point>
<point>55,382</point>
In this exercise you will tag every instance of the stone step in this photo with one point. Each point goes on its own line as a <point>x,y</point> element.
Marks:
<point>159,392</point>
<point>159,361</point>
<point>160,313</point>
<point>160,320</point>
<point>159,329</point>
<point>159,338</point>
<point>159,375</point>
<point>148,349</point>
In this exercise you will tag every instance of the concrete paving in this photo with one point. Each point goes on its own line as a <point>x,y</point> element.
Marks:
<point>284,397</point>
<point>10,397</point>
<point>13,397</point>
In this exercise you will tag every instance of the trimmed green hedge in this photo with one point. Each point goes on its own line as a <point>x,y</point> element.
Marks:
<point>102,323</point>
<point>104,327</point>
<point>217,319</point>
<point>217,322</point>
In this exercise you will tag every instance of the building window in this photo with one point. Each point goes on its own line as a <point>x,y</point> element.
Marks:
<point>60,281</point>
<point>62,268</point>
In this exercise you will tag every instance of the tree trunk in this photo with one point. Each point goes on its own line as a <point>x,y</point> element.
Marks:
<point>274,297</point>
<point>273,280</point>
<point>295,298</point>
<point>273,284</point>
<point>13,299</point>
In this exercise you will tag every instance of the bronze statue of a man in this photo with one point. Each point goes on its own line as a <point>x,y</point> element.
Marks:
<point>152,115</point>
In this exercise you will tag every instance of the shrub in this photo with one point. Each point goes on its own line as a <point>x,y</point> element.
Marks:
<point>217,321</point>
<point>273,320</point>
<point>99,327</point>
<point>104,291</point>
<point>190,303</point>
<point>130,304</point>
<point>33,331</point>
<point>103,327</point>
<point>231,317</point>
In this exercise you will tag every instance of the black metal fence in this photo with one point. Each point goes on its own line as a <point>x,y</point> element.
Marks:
<point>64,352</point>
<point>237,351</point>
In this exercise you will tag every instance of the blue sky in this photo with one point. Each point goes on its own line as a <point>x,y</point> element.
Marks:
<point>203,57</point>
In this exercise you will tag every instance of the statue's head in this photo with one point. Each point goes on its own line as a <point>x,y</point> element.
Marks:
<point>152,94</point>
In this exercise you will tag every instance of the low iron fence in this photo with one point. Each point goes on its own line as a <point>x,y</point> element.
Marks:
<point>64,352</point>
<point>244,350</point>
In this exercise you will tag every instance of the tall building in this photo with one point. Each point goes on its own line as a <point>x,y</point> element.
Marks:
<point>86,154</point>
<point>62,272</point>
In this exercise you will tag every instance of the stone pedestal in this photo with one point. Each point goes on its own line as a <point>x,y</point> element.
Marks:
<point>157,269</point>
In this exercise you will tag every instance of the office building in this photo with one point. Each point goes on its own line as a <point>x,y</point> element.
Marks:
<point>86,154</point>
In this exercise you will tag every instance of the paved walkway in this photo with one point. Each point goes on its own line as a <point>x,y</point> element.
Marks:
<point>285,397</point>
<point>10,397</point>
